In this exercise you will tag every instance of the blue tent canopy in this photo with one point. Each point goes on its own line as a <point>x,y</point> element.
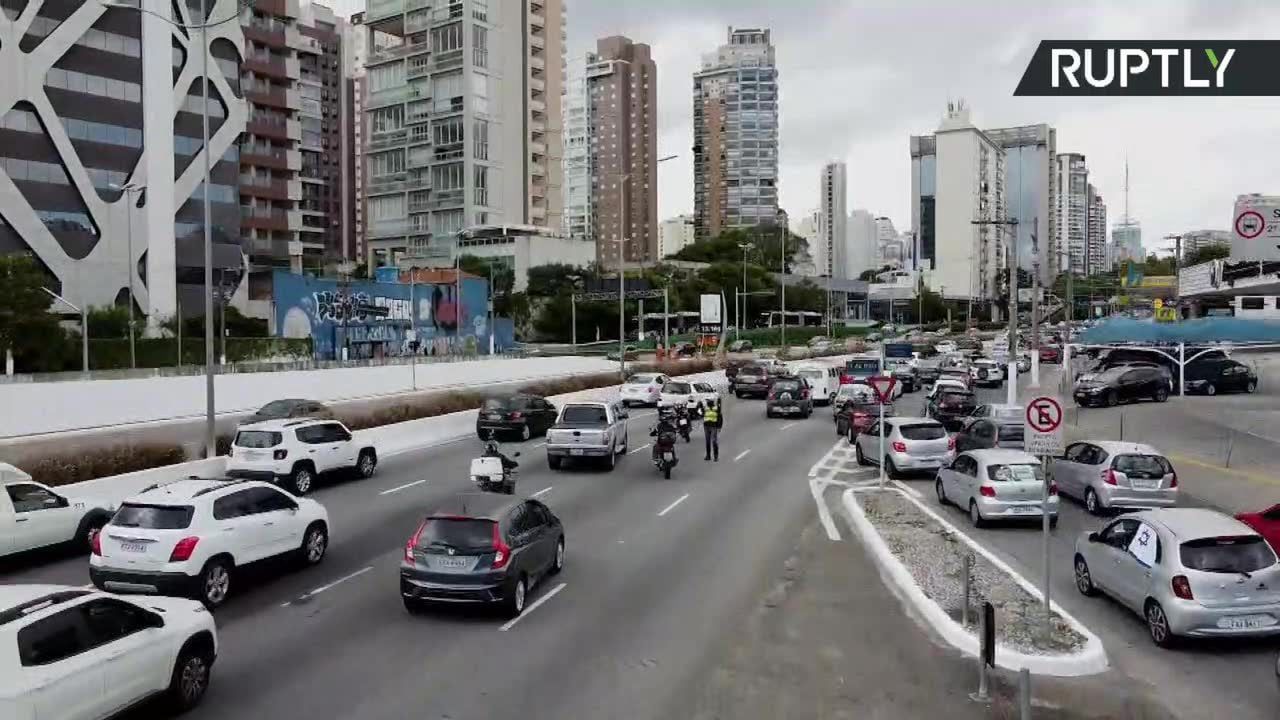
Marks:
<point>1199,331</point>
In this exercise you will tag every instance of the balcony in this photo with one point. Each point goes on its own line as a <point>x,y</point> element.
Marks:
<point>387,228</point>
<point>446,60</point>
<point>293,130</point>
<point>396,52</point>
<point>537,147</point>
<point>268,188</point>
<point>294,220</point>
<point>272,34</point>
<point>383,184</point>
<point>419,159</point>
<point>418,67</point>
<point>295,189</point>
<point>267,64</point>
<point>416,21</point>
<point>381,141</point>
<point>267,125</point>
<point>417,206</point>
<point>536,40</point>
<point>392,96</point>
<point>537,169</point>
<point>447,199</point>
<point>264,218</point>
<point>538,84</point>
<point>537,106</point>
<point>264,156</point>
<point>293,99</point>
<point>267,95</point>
<point>418,112</point>
<point>293,159</point>
<point>268,247</point>
<point>537,61</point>
<point>379,9</point>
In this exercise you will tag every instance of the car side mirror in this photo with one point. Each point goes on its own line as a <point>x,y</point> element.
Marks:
<point>1095,537</point>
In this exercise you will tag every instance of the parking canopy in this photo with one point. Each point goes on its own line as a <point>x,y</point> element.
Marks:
<point>1199,331</point>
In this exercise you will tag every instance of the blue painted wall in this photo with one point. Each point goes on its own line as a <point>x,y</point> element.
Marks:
<point>335,315</point>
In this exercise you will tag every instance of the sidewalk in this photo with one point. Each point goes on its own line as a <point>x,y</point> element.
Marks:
<point>1218,465</point>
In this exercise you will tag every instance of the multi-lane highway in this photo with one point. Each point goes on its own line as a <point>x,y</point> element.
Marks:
<point>654,613</point>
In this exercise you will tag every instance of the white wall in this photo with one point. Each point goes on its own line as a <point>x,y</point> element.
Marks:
<point>954,211</point>
<point>33,408</point>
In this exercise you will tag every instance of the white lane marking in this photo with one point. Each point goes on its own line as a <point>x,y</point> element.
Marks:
<point>916,493</point>
<point>541,444</point>
<point>741,455</point>
<point>543,490</point>
<point>550,594</point>
<point>790,424</point>
<point>673,505</point>
<point>817,486</point>
<point>330,586</point>
<point>402,487</point>
<point>642,447</point>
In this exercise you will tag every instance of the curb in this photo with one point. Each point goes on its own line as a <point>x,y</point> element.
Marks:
<point>1090,660</point>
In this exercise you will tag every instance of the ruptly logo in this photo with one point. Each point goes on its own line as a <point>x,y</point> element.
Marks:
<point>1152,68</point>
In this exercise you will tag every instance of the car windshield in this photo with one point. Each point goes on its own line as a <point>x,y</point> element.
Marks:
<point>813,374</point>
<point>457,533</point>
<point>782,385</point>
<point>923,431</point>
<point>153,517</point>
<point>257,439</point>
<point>277,409</point>
<point>956,398</point>
<point>1015,472</point>
<point>752,370</point>
<point>677,388</point>
<point>584,414</point>
<point>1012,432</point>
<point>504,403</point>
<point>1111,374</point>
<point>1142,466</point>
<point>1007,413</point>
<point>641,379</point>
<point>1242,554</point>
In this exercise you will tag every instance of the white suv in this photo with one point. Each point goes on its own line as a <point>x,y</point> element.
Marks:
<point>78,654</point>
<point>186,537</point>
<point>295,452</point>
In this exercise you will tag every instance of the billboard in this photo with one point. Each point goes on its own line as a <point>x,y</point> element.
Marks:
<point>1255,228</point>
<point>710,319</point>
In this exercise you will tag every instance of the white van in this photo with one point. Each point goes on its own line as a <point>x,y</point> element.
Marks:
<point>824,381</point>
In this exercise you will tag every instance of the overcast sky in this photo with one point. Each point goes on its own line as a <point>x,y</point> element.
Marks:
<point>857,78</point>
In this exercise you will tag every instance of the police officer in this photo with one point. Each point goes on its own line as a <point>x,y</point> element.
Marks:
<point>712,421</point>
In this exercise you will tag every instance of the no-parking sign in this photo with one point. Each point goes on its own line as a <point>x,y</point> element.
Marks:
<point>1044,433</point>
<point>1256,228</point>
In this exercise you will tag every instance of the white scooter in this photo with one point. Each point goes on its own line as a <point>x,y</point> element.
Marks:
<point>489,475</point>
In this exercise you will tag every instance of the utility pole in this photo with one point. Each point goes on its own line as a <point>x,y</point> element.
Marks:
<point>1011,263</point>
<point>742,313</point>
<point>1035,304</point>
<point>783,279</point>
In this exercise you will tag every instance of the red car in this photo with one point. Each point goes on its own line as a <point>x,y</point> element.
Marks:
<point>855,418</point>
<point>1267,523</point>
<point>1050,354</point>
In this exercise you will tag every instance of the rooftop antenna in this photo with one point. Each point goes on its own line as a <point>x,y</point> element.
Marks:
<point>1126,189</point>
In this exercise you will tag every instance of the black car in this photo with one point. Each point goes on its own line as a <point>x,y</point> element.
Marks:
<point>481,548</point>
<point>740,346</point>
<point>950,407</point>
<point>985,433</point>
<point>752,381</point>
<point>684,349</point>
<point>1124,384</point>
<point>928,374</point>
<point>1213,376</point>
<point>517,415</point>
<point>288,410</point>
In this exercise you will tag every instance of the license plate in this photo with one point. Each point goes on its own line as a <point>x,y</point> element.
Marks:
<point>493,416</point>
<point>1244,622</point>
<point>451,563</point>
<point>1145,484</point>
<point>133,547</point>
<point>1018,510</point>
<point>254,455</point>
<point>575,451</point>
<point>668,456</point>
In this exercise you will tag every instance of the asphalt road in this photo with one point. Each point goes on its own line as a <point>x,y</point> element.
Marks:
<point>1199,679</point>
<point>659,575</point>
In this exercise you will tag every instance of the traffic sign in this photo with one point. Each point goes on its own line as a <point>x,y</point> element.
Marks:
<point>1044,434</point>
<point>1249,224</point>
<point>883,386</point>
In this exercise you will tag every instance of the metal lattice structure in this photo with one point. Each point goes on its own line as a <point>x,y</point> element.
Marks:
<point>97,278</point>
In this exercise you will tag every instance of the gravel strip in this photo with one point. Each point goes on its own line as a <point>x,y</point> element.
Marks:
<point>935,558</point>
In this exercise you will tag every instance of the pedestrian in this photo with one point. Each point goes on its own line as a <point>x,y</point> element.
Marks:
<point>712,421</point>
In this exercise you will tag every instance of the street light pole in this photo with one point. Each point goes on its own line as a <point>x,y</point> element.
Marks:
<point>783,279</point>
<point>743,312</point>
<point>84,326</point>
<point>128,190</point>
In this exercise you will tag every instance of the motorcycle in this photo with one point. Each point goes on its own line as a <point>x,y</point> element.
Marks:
<point>683,426</point>
<point>664,453</point>
<point>490,474</point>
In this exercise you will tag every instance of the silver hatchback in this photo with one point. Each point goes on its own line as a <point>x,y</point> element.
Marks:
<point>997,485</point>
<point>1189,572</point>
<point>910,444</point>
<point>1106,474</point>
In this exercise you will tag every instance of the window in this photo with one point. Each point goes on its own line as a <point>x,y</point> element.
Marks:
<point>1243,554</point>
<point>921,431</point>
<point>481,142</point>
<point>538,515</point>
<point>387,119</point>
<point>461,534</point>
<point>29,498</point>
<point>334,432</point>
<point>386,163</point>
<point>229,507</point>
<point>312,435</point>
<point>52,639</point>
<point>109,620</point>
<point>446,38</point>
<point>1119,533</point>
<point>154,517</point>
<point>444,89</point>
<point>448,132</point>
<point>386,207</point>
<point>481,185</point>
<point>265,500</point>
<point>257,439</point>
<point>447,177</point>
<point>383,77</point>
<point>519,521</point>
<point>1252,303</point>
<point>480,45</point>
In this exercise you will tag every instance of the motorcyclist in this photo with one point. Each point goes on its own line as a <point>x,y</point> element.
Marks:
<point>665,424</point>
<point>491,450</point>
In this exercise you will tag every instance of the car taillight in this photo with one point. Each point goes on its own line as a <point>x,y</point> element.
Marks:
<point>413,541</point>
<point>804,394</point>
<point>96,546</point>
<point>501,553</point>
<point>1174,482</point>
<point>1182,587</point>
<point>899,447</point>
<point>771,395</point>
<point>1109,476</point>
<point>987,491</point>
<point>182,551</point>
<point>280,454</point>
<point>1053,488</point>
<point>951,442</point>
<point>515,415</point>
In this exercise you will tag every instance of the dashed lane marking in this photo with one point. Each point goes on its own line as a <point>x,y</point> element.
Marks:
<point>536,604</point>
<point>642,447</point>
<point>742,455</point>
<point>401,487</point>
<point>307,596</point>
<point>540,492</point>
<point>673,505</point>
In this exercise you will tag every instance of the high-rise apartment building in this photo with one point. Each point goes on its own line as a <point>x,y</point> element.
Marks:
<point>355,48</point>
<point>325,132</point>
<point>674,234</point>
<point>860,244</point>
<point>1030,183</point>
<point>80,99</point>
<point>1096,247</point>
<point>735,134</point>
<point>1126,236</point>
<point>831,255</point>
<point>1071,213</point>
<point>622,99</point>
<point>959,177</point>
<point>463,122</point>
<point>1201,239</point>
<point>578,221</point>
<point>807,228</point>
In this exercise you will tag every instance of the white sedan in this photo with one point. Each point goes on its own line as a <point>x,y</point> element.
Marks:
<point>705,394</point>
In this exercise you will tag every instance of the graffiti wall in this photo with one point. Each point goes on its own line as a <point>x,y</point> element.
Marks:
<point>384,319</point>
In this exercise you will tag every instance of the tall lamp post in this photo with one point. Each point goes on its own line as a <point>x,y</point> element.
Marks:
<point>211,438</point>
<point>129,189</point>
<point>744,247</point>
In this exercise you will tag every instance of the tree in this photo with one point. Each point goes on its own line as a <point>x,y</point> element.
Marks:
<point>1207,253</point>
<point>27,327</point>
<point>109,322</point>
<point>1158,266</point>
<point>549,280</point>
<point>504,280</point>
<point>765,247</point>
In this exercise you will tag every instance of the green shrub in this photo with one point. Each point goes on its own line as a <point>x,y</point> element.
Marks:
<point>74,467</point>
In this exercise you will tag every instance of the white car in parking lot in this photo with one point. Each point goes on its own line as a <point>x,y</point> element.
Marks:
<point>186,538</point>
<point>295,453</point>
<point>70,653</point>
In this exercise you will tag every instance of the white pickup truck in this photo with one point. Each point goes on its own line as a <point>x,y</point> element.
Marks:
<point>33,515</point>
<point>588,430</point>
